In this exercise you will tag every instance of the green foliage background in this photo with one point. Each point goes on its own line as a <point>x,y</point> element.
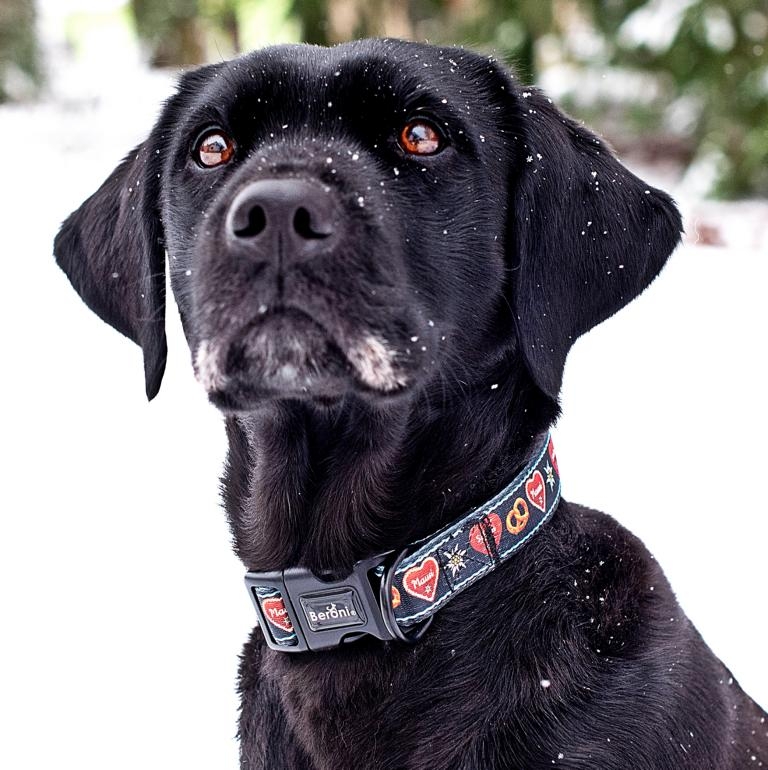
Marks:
<point>19,56</point>
<point>718,62</point>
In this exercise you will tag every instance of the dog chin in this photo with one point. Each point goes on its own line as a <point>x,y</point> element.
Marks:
<point>290,356</point>
<point>242,395</point>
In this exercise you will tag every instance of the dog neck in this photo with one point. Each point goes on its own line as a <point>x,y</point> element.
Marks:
<point>324,487</point>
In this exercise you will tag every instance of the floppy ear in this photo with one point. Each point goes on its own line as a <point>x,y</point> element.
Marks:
<point>587,235</point>
<point>112,251</point>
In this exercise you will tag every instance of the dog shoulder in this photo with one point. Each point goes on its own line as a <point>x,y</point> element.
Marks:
<point>618,589</point>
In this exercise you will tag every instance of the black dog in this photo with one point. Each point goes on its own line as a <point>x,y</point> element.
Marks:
<point>382,253</point>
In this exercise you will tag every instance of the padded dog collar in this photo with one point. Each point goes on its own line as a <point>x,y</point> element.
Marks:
<point>394,596</point>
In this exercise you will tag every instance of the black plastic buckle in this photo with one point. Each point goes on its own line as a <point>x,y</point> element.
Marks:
<point>308,613</point>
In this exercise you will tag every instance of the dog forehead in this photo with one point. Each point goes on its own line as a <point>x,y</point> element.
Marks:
<point>381,70</point>
<point>385,56</point>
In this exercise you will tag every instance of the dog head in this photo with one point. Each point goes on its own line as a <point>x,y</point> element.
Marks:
<point>360,219</point>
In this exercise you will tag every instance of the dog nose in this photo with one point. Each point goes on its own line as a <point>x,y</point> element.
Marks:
<point>293,214</point>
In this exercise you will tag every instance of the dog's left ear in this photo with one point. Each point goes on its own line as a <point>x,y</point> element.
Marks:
<point>112,251</point>
<point>587,236</point>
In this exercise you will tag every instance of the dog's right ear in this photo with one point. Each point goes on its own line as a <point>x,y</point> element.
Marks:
<point>112,251</point>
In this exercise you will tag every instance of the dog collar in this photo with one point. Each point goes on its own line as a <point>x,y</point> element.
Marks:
<point>395,596</point>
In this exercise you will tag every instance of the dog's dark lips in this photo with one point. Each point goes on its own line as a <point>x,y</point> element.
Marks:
<point>288,354</point>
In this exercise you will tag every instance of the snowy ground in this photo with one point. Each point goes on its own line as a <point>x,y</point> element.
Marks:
<point>123,610</point>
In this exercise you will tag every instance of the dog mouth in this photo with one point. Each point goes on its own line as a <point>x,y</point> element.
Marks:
<point>289,354</point>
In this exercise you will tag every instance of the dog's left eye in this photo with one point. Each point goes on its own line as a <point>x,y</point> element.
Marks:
<point>214,148</point>
<point>420,137</point>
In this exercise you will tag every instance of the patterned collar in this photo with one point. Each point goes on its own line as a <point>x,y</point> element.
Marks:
<point>391,596</point>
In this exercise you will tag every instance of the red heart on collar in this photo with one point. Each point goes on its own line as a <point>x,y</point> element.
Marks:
<point>552,455</point>
<point>276,614</point>
<point>534,488</point>
<point>421,581</point>
<point>476,538</point>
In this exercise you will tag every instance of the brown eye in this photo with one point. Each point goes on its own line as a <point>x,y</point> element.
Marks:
<point>419,137</point>
<point>214,148</point>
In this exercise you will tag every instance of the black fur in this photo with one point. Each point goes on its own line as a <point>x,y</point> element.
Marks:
<point>495,255</point>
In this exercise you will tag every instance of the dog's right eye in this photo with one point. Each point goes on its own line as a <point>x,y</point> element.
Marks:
<point>214,148</point>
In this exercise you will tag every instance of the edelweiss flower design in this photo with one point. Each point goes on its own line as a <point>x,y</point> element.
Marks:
<point>550,476</point>
<point>455,559</point>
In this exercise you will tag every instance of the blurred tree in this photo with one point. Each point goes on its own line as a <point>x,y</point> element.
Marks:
<point>180,33</point>
<point>224,15</point>
<point>171,31</point>
<point>313,16</point>
<point>710,58</point>
<point>509,27</point>
<point>20,73</point>
<point>326,22</point>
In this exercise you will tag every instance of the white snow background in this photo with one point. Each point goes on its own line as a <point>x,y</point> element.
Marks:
<point>122,607</point>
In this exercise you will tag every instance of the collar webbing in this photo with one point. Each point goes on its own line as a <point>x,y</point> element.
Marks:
<point>467,549</point>
<point>396,598</point>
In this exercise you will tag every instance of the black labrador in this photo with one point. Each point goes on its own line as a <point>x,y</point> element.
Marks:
<point>382,253</point>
